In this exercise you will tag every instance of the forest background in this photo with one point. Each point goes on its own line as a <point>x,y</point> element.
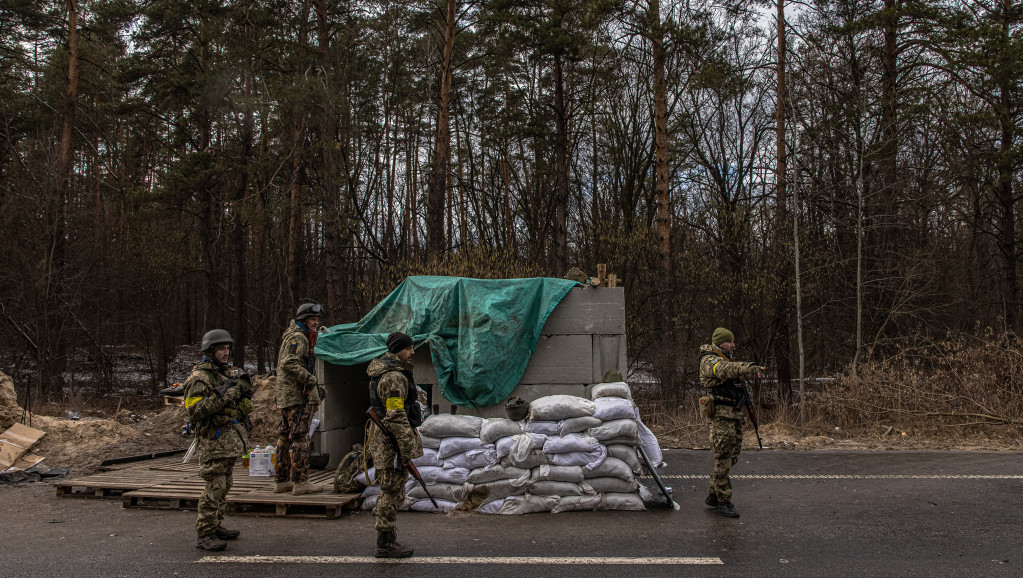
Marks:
<point>837,181</point>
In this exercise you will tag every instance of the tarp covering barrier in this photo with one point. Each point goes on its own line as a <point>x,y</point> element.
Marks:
<point>482,332</point>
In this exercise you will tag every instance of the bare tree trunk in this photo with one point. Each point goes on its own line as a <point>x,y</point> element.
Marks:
<point>241,229</point>
<point>561,179</point>
<point>295,217</point>
<point>1006,197</point>
<point>436,243</point>
<point>781,309</point>
<point>662,169</point>
<point>328,152</point>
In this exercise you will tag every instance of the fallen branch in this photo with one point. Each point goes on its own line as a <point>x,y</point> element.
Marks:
<point>993,418</point>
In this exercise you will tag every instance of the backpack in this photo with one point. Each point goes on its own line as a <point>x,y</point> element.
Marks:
<point>344,476</point>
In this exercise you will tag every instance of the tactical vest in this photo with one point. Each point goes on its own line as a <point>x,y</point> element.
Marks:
<point>412,409</point>
<point>727,391</point>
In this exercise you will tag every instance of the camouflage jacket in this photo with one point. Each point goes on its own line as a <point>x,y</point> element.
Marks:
<point>393,389</point>
<point>716,368</point>
<point>293,370</point>
<point>219,425</point>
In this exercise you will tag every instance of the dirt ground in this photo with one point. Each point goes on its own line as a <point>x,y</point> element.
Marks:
<point>82,444</point>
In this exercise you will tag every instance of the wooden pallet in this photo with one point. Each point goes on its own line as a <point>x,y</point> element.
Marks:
<point>173,400</point>
<point>184,493</point>
<point>113,483</point>
<point>266,503</point>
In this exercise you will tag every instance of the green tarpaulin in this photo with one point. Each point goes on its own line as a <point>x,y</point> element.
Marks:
<point>482,332</point>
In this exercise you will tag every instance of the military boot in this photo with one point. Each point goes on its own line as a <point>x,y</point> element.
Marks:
<point>225,534</point>
<point>727,509</point>
<point>711,500</point>
<point>388,546</point>
<point>306,487</point>
<point>210,542</point>
<point>282,487</point>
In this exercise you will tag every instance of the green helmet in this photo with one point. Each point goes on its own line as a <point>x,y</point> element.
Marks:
<point>308,310</point>
<point>215,337</point>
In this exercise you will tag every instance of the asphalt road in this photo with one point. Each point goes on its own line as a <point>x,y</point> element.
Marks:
<point>804,513</point>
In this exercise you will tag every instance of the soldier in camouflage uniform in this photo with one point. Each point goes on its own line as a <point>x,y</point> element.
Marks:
<point>394,397</point>
<point>719,375</point>
<point>298,395</point>
<point>217,404</point>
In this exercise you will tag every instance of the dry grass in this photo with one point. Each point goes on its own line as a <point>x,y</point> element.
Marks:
<point>963,392</point>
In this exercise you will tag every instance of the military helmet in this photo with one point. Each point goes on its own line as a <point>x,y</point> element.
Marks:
<point>215,337</point>
<point>308,310</point>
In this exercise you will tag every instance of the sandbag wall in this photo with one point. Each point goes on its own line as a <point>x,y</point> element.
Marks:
<point>571,453</point>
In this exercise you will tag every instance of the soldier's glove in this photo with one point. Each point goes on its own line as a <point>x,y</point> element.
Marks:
<point>229,390</point>
<point>246,406</point>
<point>245,386</point>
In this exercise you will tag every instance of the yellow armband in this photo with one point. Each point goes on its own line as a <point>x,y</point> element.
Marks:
<point>190,401</point>
<point>395,403</point>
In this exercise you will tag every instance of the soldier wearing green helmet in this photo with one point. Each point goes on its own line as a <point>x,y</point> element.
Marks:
<point>719,374</point>
<point>217,400</point>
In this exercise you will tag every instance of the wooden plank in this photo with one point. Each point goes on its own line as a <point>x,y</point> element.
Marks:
<point>16,441</point>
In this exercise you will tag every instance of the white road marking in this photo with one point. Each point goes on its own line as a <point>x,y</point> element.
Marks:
<point>849,477</point>
<point>522,560</point>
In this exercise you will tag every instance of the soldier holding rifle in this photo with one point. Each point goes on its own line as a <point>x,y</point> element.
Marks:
<point>393,397</point>
<point>722,406</point>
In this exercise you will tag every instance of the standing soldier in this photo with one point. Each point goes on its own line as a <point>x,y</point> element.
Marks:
<point>393,396</point>
<point>720,375</point>
<point>298,395</point>
<point>217,405</point>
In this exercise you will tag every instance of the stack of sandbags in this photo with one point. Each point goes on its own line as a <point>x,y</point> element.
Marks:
<point>571,453</point>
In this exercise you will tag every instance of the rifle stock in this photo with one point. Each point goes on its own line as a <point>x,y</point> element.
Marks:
<point>411,467</point>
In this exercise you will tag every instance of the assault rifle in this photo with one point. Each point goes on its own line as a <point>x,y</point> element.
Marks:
<point>411,467</point>
<point>747,403</point>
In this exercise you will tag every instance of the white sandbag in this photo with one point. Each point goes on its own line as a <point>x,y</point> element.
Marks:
<point>528,504</point>
<point>588,460</point>
<point>455,445</point>
<point>362,477</point>
<point>496,428</point>
<point>614,389</point>
<point>506,445</point>
<point>451,492</point>
<point>370,491</point>
<point>631,502</point>
<point>650,444</point>
<point>425,505</point>
<point>576,504</point>
<point>575,442</point>
<point>631,441</point>
<point>607,485</point>
<point>494,473</point>
<point>560,489</point>
<point>551,428</point>
<point>627,454</point>
<point>557,474</point>
<point>499,489</point>
<point>612,466</point>
<point>369,503</point>
<point>445,425</point>
<point>576,424</point>
<point>525,443</point>
<point>429,458</point>
<point>473,459</point>
<point>433,474</point>
<point>615,429</point>
<point>491,507</point>
<point>559,407</point>
<point>611,408</point>
<point>429,442</point>
<point>533,459</point>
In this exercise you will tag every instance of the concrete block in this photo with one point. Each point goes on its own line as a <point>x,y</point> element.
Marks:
<point>564,359</point>
<point>608,353</point>
<point>588,310</point>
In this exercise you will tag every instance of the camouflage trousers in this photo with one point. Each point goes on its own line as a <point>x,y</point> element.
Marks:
<point>392,494</point>
<point>213,501</point>
<point>293,444</point>
<point>726,441</point>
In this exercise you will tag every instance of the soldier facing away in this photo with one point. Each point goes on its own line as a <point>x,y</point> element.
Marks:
<point>393,396</point>
<point>299,394</point>
<point>217,405</point>
<point>720,375</point>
